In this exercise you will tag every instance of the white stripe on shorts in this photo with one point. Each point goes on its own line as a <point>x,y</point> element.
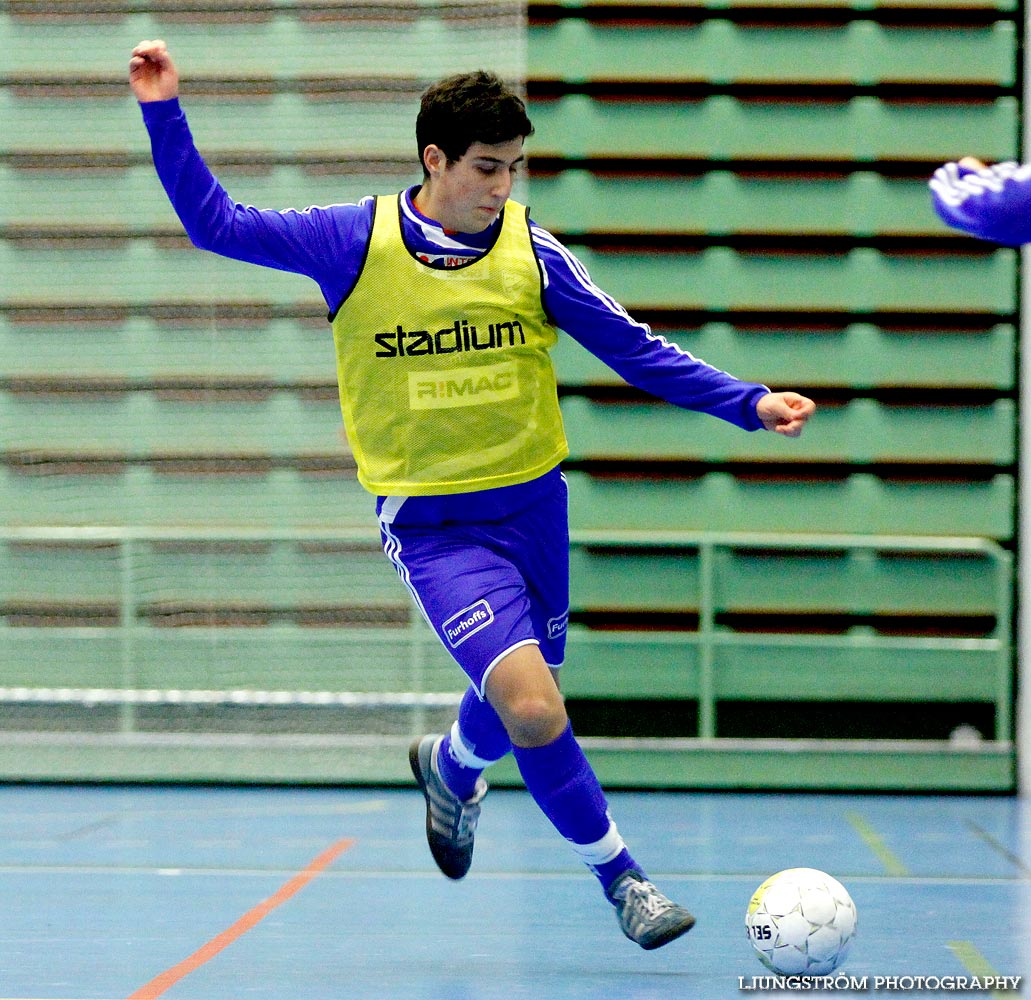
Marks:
<point>392,548</point>
<point>482,691</point>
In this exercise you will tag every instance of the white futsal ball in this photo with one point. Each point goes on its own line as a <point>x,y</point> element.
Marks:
<point>801,922</point>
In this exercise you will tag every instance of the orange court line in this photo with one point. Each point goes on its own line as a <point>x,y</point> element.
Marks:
<point>159,984</point>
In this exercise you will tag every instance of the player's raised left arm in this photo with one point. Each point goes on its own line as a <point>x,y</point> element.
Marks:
<point>152,73</point>
<point>785,412</point>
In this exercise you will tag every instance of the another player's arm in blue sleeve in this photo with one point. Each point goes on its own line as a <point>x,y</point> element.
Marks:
<point>991,203</point>
<point>326,244</point>
<point>649,362</point>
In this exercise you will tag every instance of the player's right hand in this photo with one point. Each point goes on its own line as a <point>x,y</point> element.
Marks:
<point>152,74</point>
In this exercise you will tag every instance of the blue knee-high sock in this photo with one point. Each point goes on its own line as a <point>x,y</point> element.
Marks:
<point>476,740</point>
<point>564,785</point>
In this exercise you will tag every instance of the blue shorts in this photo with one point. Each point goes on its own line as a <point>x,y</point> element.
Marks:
<point>489,570</point>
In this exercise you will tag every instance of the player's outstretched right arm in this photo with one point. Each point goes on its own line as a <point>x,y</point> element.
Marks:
<point>152,74</point>
<point>989,202</point>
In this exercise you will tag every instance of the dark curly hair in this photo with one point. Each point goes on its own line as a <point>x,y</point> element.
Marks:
<point>469,107</point>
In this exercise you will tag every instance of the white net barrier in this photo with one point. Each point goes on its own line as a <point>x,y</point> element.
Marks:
<point>184,546</point>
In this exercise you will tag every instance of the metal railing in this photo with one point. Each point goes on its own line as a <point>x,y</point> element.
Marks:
<point>708,638</point>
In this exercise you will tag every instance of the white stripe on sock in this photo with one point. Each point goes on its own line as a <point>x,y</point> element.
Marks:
<point>602,850</point>
<point>461,752</point>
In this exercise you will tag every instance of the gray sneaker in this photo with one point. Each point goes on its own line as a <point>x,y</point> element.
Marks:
<point>645,915</point>
<point>450,822</point>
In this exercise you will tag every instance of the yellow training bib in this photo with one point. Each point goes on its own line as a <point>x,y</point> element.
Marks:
<point>446,384</point>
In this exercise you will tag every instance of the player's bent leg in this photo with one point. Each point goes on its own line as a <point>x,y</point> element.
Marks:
<point>562,782</point>
<point>449,771</point>
<point>476,602</point>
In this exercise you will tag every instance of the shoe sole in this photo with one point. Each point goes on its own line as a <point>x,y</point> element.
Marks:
<point>671,935</point>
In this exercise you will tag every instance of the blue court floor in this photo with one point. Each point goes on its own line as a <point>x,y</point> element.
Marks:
<point>245,894</point>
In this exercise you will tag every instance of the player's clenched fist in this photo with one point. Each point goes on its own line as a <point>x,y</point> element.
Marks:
<point>785,412</point>
<point>152,74</point>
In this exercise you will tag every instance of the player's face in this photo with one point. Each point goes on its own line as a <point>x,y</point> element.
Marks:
<point>466,195</point>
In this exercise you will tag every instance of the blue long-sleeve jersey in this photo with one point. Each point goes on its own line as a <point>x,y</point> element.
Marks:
<point>328,245</point>
<point>992,203</point>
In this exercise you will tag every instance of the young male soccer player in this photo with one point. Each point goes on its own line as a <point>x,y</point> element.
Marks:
<point>444,301</point>
<point>989,202</point>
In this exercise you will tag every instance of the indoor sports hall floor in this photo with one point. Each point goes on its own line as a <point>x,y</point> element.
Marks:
<point>255,893</point>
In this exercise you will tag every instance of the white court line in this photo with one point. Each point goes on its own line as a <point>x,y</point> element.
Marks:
<point>257,809</point>
<point>503,876</point>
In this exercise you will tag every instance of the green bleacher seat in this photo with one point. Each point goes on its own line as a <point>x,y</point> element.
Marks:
<point>313,583</point>
<point>213,579</point>
<point>133,200</point>
<point>226,659</point>
<point>718,501</point>
<point>723,52</point>
<point>848,671</point>
<point>194,421</point>
<point>137,272</point>
<point>862,280</point>
<point>284,122</point>
<point>139,348</point>
<point>58,573</point>
<point>363,659</point>
<point>858,355</point>
<point>858,502</point>
<point>118,493</point>
<point>142,348</point>
<point>570,202</point>
<point>274,42</point>
<point>720,202</point>
<point>234,11</point>
<point>861,129</point>
<point>666,667</point>
<point>752,667</point>
<point>537,6</point>
<point>861,431</point>
<point>867,581</point>
<point>845,582</point>
<point>253,433</point>
<point>716,50</point>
